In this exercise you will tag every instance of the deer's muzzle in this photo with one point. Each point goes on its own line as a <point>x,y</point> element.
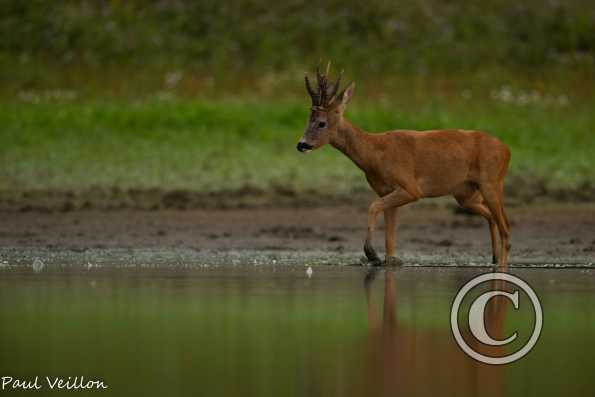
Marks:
<point>304,147</point>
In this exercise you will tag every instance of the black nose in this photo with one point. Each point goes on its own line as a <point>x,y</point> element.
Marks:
<point>303,146</point>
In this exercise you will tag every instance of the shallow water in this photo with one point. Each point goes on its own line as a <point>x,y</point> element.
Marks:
<point>273,331</point>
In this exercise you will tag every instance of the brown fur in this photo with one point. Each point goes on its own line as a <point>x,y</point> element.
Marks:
<point>404,166</point>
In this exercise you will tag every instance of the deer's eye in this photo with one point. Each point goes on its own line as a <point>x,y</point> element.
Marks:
<point>322,124</point>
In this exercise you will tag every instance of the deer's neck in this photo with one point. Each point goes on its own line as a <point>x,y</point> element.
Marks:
<point>353,142</point>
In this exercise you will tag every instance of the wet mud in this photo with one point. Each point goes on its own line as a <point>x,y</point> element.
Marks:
<point>427,235</point>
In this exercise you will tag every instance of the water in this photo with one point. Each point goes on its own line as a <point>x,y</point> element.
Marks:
<point>275,331</point>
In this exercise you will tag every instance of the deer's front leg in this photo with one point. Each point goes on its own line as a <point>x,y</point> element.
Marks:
<point>394,199</point>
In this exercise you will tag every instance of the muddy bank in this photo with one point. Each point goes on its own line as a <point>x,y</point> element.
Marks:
<point>519,191</point>
<point>430,235</point>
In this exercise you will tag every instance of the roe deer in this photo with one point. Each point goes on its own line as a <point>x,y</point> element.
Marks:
<point>403,166</point>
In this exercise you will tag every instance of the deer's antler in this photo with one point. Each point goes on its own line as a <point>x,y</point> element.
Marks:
<point>326,93</point>
<point>332,93</point>
<point>315,96</point>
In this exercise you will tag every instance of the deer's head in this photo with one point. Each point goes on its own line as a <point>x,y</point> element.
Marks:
<point>328,105</point>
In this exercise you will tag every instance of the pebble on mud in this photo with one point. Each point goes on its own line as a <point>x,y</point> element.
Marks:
<point>38,265</point>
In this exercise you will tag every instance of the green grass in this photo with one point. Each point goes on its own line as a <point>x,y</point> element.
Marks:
<point>228,144</point>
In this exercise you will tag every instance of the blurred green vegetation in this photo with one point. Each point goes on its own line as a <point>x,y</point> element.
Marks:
<point>209,95</point>
<point>135,46</point>
<point>231,144</point>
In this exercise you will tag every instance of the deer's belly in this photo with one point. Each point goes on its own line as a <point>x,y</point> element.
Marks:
<point>443,184</point>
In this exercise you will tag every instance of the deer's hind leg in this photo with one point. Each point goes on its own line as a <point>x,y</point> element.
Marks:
<point>469,197</point>
<point>494,200</point>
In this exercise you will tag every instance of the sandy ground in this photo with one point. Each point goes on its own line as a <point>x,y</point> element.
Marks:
<point>427,235</point>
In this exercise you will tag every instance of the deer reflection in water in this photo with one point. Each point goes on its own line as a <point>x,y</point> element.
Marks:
<point>411,360</point>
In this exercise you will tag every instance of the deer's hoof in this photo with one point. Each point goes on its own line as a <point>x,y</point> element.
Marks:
<point>364,261</point>
<point>371,253</point>
<point>499,269</point>
<point>393,261</point>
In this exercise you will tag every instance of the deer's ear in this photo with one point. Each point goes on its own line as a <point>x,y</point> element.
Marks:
<point>347,94</point>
